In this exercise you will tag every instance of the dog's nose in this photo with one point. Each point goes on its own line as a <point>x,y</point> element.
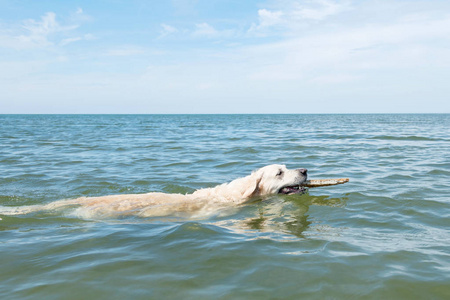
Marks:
<point>303,171</point>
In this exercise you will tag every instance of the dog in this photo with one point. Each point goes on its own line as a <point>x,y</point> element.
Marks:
<point>266,181</point>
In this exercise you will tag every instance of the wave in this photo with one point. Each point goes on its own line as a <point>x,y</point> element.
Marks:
<point>406,138</point>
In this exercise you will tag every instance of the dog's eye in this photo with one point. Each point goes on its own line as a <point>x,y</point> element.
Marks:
<point>280,172</point>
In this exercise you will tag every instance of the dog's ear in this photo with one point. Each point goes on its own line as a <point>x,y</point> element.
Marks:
<point>253,185</point>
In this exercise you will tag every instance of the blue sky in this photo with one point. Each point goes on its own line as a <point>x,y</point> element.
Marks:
<point>211,56</point>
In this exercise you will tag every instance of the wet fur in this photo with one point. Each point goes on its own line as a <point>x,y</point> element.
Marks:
<point>263,182</point>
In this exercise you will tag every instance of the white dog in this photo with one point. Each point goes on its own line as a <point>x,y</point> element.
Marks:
<point>269,180</point>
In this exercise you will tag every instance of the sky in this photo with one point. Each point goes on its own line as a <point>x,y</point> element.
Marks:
<point>225,56</point>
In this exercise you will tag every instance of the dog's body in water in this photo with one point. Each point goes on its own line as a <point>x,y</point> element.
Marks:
<point>269,180</point>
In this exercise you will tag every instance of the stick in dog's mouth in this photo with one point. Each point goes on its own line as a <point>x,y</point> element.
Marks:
<point>324,182</point>
<point>299,189</point>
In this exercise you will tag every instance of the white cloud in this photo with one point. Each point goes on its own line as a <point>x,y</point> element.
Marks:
<point>319,9</point>
<point>43,33</point>
<point>204,30</point>
<point>79,16</point>
<point>85,37</point>
<point>266,19</point>
<point>167,30</point>
<point>69,40</point>
<point>287,15</point>
<point>38,32</point>
<point>269,18</point>
<point>352,53</point>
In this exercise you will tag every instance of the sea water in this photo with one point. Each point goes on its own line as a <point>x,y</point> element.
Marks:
<point>383,235</point>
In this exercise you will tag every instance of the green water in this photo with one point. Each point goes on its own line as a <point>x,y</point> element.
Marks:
<point>383,235</point>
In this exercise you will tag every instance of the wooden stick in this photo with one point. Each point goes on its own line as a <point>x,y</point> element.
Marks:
<point>324,182</point>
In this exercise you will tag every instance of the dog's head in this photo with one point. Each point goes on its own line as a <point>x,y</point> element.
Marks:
<point>275,179</point>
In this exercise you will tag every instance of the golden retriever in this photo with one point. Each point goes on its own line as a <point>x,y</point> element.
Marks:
<point>269,180</point>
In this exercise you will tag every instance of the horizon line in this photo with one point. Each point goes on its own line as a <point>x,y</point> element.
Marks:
<point>143,114</point>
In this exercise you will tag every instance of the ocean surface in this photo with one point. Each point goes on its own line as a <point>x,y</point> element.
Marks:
<point>383,235</point>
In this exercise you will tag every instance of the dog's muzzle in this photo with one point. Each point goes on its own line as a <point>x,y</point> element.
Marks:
<point>297,188</point>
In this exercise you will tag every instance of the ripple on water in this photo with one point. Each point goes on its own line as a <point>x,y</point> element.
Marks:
<point>383,235</point>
